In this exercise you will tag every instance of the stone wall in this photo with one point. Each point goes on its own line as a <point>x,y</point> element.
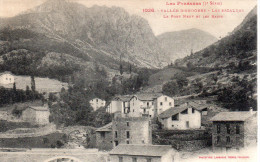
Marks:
<point>104,140</point>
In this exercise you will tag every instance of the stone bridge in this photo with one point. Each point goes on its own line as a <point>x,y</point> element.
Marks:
<point>53,155</point>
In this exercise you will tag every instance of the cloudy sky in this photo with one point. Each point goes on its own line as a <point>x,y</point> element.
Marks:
<point>217,27</point>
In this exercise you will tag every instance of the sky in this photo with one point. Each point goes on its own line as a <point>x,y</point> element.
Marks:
<point>217,27</point>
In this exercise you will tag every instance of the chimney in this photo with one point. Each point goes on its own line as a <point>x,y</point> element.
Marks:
<point>251,110</point>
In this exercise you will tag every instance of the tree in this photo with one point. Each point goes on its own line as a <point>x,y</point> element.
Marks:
<point>33,84</point>
<point>15,95</point>
<point>121,69</point>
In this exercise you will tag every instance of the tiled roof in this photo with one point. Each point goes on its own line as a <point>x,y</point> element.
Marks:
<point>106,128</point>
<point>197,106</point>
<point>172,111</point>
<point>148,96</point>
<point>141,150</point>
<point>39,108</point>
<point>123,97</point>
<point>233,116</point>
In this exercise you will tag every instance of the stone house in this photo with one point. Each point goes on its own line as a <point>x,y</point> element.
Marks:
<point>234,130</point>
<point>143,153</point>
<point>97,103</point>
<point>182,117</point>
<point>119,104</point>
<point>131,130</point>
<point>36,115</point>
<point>150,104</point>
<point>124,130</point>
<point>104,137</point>
<point>6,78</point>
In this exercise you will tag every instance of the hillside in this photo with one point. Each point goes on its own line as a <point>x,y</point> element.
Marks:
<point>179,44</point>
<point>225,69</point>
<point>80,35</point>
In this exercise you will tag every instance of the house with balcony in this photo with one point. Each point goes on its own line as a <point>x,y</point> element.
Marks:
<point>149,104</point>
<point>234,130</point>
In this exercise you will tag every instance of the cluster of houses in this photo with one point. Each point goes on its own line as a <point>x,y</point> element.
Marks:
<point>129,135</point>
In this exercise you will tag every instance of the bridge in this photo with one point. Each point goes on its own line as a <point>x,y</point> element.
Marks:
<point>53,155</point>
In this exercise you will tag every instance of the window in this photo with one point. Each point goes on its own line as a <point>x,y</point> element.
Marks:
<point>120,159</point>
<point>170,104</point>
<point>134,159</point>
<point>97,100</point>
<point>127,134</point>
<point>218,140</point>
<point>228,128</point>
<point>218,128</point>
<point>175,117</point>
<point>193,111</point>
<point>127,142</point>
<point>103,135</point>
<point>228,139</point>
<point>237,129</point>
<point>185,111</point>
<point>165,98</point>
<point>148,160</point>
<point>115,134</point>
<point>127,124</point>
<point>161,103</point>
<point>116,143</point>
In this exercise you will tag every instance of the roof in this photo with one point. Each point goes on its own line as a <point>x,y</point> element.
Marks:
<point>106,128</point>
<point>141,150</point>
<point>39,108</point>
<point>6,72</point>
<point>172,111</point>
<point>123,97</point>
<point>175,110</point>
<point>198,106</point>
<point>148,96</point>
<point>233,116</point>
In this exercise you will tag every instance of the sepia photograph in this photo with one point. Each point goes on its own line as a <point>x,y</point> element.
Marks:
<point>128,81</point>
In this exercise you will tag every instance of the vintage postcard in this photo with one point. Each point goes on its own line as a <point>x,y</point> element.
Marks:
<point>128,81</point>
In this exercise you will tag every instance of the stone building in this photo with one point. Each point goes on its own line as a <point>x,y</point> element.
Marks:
<point>143,153</point>
<point>104,137</point>
<point>6,78</point>
<point>97,103</point>
<point>182,117</point>
<point>36,115</point>
<point>131,130</point>
<point>234,130</point>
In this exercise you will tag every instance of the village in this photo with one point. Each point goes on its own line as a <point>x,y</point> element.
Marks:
<point>164,126</point>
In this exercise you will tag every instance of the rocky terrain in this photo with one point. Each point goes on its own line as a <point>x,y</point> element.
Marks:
<point>179,44</point>
<point>100,34</point>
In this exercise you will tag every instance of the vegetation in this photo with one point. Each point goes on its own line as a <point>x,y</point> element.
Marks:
<point>10,96</point>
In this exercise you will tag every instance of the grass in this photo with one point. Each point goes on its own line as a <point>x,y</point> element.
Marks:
<point>6,125</point>
<point>47,141</point>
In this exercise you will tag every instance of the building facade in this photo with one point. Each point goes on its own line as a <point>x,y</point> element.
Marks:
<point>182,117</point>
<point>131,130</point>
<point>36,115</point>
<point>149,105</point>
<point>143,153</point>
<point>234,130</point>
<point>104,137</point>
<point>6,78</point>
<point>119,104</point>
<point>97,103</point>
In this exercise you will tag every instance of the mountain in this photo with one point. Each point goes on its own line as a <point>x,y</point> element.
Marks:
<point>179,44</point>
<point>97,34</point>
